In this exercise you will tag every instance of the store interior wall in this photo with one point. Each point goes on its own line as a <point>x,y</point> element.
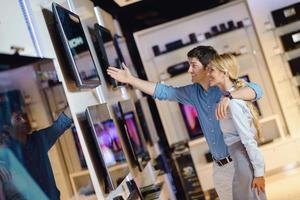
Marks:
<point>260,12</point>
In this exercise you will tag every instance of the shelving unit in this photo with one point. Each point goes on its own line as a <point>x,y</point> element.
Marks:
<point>252,64</point>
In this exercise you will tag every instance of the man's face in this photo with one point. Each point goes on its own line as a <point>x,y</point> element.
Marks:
<point>196,70</point>
<point>20,123</point>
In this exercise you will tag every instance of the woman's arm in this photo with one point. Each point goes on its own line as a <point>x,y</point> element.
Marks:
<point>239,113</point>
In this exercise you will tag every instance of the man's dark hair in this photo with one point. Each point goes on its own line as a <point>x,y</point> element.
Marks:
<point>204,54</point>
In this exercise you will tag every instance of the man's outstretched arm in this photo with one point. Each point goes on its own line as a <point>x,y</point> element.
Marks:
<point>125,76</point>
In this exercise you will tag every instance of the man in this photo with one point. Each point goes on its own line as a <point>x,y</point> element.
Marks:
<point>210,103</point>
<point>31,150</point>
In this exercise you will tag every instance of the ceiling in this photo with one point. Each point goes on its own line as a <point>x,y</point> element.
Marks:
<point>138,15</point>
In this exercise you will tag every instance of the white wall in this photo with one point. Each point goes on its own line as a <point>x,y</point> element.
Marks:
<point>288,94</point>
<point>251,63</point>
<point>13,29</point>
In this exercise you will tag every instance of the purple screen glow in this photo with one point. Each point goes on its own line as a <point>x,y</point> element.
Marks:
<point>133,132</point>
<point>191,120</point>
<point>109,142</point>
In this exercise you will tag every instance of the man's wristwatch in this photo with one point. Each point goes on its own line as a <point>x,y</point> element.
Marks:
<point>227,94</point>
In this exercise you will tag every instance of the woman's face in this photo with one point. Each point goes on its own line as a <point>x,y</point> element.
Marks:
<point>215,76</point>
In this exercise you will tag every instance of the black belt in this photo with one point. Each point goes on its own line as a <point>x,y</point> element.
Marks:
<point>223,161</point>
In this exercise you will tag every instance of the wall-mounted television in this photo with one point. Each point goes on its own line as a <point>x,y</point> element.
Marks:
<point>295,66</point>
<point>191,120</point>
<point>76,47</point>
<point>125,112</point>
<point>291,40</point>
<point>106,51</point>
<point>134,134</point>
<point>108,144</point>
<point>78,148</point>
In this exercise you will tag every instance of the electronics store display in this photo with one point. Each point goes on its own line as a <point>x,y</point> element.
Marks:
<point>295,66</point>
<point>191,121</point>
<point>187,172</point>
<point>132,136</point>
<point>286,15</point>
<point>215,30</point>
<point>291,41</point>
<point>107,50</point>
<point>76,47</point>
<point>108,143</point>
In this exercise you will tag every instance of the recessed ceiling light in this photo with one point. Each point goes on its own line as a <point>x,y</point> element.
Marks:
<point>122,3</point>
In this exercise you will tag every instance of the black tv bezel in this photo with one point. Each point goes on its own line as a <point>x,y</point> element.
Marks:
<point>102,54</point>
<point>192,136</point>
<point>137,129</point>
<point>107,178</point>
<point>144,126</point>
<point>70,58</point>
<point>127,139</point>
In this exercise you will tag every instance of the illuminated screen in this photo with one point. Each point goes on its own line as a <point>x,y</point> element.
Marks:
<point>191,120</point>
<point>76,46</point>
<point>134,136</point>
<point>109,142</point>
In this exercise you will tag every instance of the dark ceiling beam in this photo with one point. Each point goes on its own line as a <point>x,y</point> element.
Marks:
<point>109,6</point>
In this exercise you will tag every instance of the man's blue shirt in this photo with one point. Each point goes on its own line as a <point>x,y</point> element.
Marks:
<point>205,103</point>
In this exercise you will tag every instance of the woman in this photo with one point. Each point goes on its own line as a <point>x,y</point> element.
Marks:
<point>240,129</point>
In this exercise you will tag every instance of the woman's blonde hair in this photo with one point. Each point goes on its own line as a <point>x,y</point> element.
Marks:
<point>227,63</point>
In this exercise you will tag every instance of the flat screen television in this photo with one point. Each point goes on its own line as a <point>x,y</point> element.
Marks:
<point>106,51</point>
<point>295,66</point>
<point>78,148</point>
<point>191,120</point>
<point>143,122</point>
<point>108,144</point>
<point>132,136</point>
<point>76,47</point>
<point>291,41</point>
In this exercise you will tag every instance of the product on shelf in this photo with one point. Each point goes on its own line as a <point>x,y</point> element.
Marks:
<point>174,45</point>
<point>291,40</point>
<point>76,47</point>
<point>295,66</point>
<point>108,145</point>
<point>191,121</point>
<point>106,51</point>
<point>178,68</point>
<point>286,15</point>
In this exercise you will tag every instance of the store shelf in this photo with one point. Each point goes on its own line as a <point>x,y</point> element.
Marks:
<point>189,46</point>
<point>78,174</point>
<point>197,141</point>
<point>117,167</point>
<point>286,28</point>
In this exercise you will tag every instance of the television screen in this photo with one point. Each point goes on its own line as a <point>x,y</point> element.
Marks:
<point>134,135</point>
<point>143,122</point>
<point>78,148</point>
<point>76,47</point>
<point>106,51</point>
<point>108,144</point>
<point>191,120</point>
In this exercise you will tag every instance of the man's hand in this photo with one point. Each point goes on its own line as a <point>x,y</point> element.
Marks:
<point>68,112</point>
<point>259,183</point>
<point>221,109</point>
<point>121,75</point>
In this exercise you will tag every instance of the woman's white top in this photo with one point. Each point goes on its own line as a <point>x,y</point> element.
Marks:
<point>238,126</point>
